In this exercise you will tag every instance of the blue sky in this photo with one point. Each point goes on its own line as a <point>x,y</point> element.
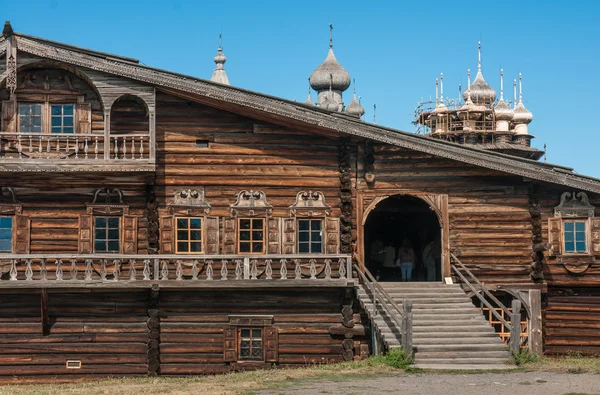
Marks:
<point>394,50</point>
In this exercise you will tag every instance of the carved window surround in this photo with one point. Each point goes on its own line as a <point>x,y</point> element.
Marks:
<point>107,201</point>
<point>310,204</point>
<point>189,202</point>
<point>574,207</point>
<point>251,203</point>
<point>232,337</point>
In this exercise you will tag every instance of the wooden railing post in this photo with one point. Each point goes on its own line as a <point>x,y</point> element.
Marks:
<point>246,268</point>
<point>534,336</point>
<point>349,268</point>
<point>515,327</point>
<point>156,264</point>
<point>407,327</point>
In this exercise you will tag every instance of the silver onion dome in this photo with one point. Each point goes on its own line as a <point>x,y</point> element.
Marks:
<point>329,103</point>
<point>481,92</point>
<point>502,112</point>
<point>320,78</point>
<point>355,108</point>
<point>522,115</point>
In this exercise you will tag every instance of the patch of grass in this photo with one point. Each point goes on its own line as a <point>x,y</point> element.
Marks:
<point>524,357</point>
<point>395,358</point>
<point>566,364</point>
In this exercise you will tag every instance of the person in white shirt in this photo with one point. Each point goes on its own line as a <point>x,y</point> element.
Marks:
<point>430,253</point>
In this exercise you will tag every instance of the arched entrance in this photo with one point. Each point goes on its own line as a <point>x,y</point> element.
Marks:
<point>398,221</point>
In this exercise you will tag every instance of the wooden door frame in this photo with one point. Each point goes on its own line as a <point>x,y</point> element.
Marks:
<point>437,202</point>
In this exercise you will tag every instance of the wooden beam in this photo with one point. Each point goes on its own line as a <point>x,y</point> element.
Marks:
<point>44,311</point>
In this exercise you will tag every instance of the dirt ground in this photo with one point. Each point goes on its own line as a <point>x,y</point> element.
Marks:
<point>530,383</point>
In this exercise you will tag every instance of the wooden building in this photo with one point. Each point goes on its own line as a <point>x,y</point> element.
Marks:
<point>153,223</point>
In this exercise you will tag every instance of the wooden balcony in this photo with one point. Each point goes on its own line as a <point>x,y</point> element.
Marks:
<point>174,271</point>
<point>75,152</point>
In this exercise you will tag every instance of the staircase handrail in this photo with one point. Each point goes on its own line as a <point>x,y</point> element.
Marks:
<point>401,316</point>
<point>515,324</point>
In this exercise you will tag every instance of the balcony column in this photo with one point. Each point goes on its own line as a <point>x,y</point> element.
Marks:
<point>106,134</point>
<point>152,132</point>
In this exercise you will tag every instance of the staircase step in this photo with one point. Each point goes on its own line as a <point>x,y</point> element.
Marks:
<point>449,336</point>
<point>432,340</point>
<point>422,356</point>
<point>396,284</point>
<point>425,348</point>
<point>438,321</point>
<point>454,328</point>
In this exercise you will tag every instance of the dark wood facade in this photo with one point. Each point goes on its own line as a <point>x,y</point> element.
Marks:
<point>150,147</point>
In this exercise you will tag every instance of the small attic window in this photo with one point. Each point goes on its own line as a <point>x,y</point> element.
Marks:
<point>202,144</point>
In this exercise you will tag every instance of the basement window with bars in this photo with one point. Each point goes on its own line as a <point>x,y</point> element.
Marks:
<point>6,225</point>
<point>575,236</point>
<point>107,234</point>
<point>250,344</point>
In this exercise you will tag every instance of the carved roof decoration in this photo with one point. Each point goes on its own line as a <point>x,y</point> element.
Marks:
<point>574,205</point>
<point>107,201</point>
<point>190,200</point>
<point>251,203</point>
<point>277,110</point>
<point>35,83</point>
<point>310,203</point>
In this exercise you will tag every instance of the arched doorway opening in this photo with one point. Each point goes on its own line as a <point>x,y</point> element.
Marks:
<point>397,225</point>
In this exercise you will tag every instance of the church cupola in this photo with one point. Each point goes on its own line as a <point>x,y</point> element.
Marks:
<point>219,75</point>
<point>522,116</point>
<point>502,112</point>
<point>330,78</point>
<point>355,108</point>
<point>481,92</point>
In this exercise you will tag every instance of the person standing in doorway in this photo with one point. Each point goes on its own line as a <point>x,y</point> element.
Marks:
<point>377,255</point>
<point>430,253</point>
<point>389,258</point>
<point>406,259</point>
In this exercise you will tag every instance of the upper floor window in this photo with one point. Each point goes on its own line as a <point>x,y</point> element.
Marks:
<point>107,234</point>
<point>251,235</point>
<point>6,224</point>
<point>189,235</point>
<point>30,117</point>
<point>310,236</point>
<point>575,236</point>
<point>62,118</point>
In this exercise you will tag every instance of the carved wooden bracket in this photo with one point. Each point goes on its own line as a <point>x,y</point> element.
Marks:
<point>190,202</point>
<point>309,204</point>
<point>9,205</point>
<point>574,205</point>
<point>251,203</point>
<point>108,201</point>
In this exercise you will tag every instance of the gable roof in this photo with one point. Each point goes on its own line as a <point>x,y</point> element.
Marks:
<point>286,111</point>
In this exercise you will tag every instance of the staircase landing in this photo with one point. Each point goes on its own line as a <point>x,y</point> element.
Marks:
<point>449,332</point>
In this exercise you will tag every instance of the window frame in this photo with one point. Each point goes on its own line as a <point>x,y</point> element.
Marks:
<point>62,117</point>
<point>12,234</point>
<point>310,232</point>
<point>120,228</point>
<point>251,240</point>
<point>252,329</point>
<point>587,233</point>
<point>189,229</point>
<point>46,112</point>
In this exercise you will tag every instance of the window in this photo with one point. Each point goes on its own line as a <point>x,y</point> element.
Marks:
<point>251,343</point>
<point>310,236</point>
<point>189,235</point>
<point>30,117</point>
<point>107,234</point>
<point>575,236</point>
<point>6,234</point>
<point>62,118</point>
<point>251,235</point>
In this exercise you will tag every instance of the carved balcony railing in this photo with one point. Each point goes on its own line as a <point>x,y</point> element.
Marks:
<point>74,148</point>
<point>171,270</point>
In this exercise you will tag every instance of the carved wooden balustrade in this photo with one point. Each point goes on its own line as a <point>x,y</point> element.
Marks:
<point>177,270</point>
<point>73,146</point>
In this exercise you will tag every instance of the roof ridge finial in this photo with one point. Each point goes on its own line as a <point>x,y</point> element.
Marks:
<point>330,82</point>
<point>520,88</point>
<point>221,40</point>
<point>501,84</point>
<point>514,93</point>
<point>331,35</point>
<point>479,56</point>
<point>354,83</point>
<point>437,96</point>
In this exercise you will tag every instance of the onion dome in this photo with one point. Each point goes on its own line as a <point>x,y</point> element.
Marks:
<point>309,99</point>
<point>481,92</point>
<point>502,112</point>
<point>219,75</point>
<point>329,103</point>
<point>355,108</point>
<point>522,115</point>
<point>440,107</point>
<point>320,78</point>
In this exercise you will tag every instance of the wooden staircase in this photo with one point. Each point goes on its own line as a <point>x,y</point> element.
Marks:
<point>448,331</point>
